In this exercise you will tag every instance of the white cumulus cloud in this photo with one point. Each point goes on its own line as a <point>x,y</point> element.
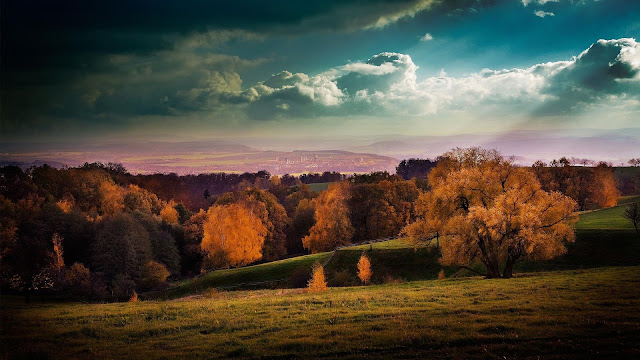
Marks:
<point>542,14</point>
<point>426,37</point>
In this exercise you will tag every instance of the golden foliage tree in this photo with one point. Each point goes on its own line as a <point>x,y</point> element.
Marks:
<point>169,214</point>
<point>486,208</point>
<point>605,190</point>
<point>233,236</point>
<point>333,227</point>
<point>112,197</point>
<point>364,269</point>
<point>318,282</point>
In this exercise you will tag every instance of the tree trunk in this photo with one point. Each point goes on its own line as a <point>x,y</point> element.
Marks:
<point>493,271</point>
<point>508,269</point>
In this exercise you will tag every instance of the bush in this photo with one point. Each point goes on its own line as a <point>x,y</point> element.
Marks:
<point>341,278</point>
<point>213,293</point>
<point>122,287</point>
<point>300,277</point>
<point>78,280</point>
<point>153,275</point>
<point>441,275</point>
<point>364,269</point>
<point>317,282</point>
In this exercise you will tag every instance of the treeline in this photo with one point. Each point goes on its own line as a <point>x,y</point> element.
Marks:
<point>100,233</point>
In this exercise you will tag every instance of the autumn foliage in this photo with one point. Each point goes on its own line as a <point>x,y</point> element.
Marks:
<point>364,269</point>
<point>333,226</point>
<point>318,282</point>
<point>591,187</point>
<point>488,209</point>
<point>233,236</point>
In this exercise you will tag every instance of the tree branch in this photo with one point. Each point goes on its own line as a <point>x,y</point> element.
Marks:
<point>470,269</point>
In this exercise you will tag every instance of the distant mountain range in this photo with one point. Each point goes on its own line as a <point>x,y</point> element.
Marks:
<point>348,154</point>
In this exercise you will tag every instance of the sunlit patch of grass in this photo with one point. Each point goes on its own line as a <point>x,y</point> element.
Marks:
<point>609,218</point>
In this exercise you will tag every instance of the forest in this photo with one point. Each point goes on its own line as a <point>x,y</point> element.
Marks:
<point>99,233</point>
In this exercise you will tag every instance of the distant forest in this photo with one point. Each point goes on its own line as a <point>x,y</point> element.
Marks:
<point>100,233</point>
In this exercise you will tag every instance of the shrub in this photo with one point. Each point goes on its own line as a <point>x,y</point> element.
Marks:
<point>393,280</point>
<point>213,293</point>
<point>441,275</point>
<point>78,279</point>
<point>300,277</point>
<point>134,297</point>
<point>122,287</point>
<point>317,282</point>
<point>153,274</point>
<point>364,269</point>
<point>342,278</point>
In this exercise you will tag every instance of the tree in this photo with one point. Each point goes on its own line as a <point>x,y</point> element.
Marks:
<point>112,197</point>
<point>301,222</point>
<point>633,213</point>
<point>153,274</point>
<point>122,246</point>
<point>414,168</point>
<point>333,227</point>
<point>604,190</point>
<point>318,282</point>
<point>169,214</point>
<point>191,248</point>
<point>486,208</point>
<point>58,261</point>
<point>591,187</point>
<point>233,236</point>
<point>273,216</point>
<point>78,279</point>
<point>123,287</point>
<point>364,269</point>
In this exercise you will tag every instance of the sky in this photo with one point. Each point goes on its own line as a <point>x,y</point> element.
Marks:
<point>271,70</point>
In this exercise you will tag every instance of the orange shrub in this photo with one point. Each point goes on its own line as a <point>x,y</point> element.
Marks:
<point>364,269</point>
<point>318,282</point>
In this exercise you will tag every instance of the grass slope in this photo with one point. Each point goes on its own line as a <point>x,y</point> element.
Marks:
<point>570,314</point>
<point>603,238</point>
<point>610,218</point>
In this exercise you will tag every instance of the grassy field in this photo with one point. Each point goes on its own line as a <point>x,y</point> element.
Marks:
<point>571,314</point>
<point>611,218</point>
<point>585,304</point>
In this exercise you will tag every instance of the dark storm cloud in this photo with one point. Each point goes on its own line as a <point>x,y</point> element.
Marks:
<point>608,68</point>
<point>50,49</point>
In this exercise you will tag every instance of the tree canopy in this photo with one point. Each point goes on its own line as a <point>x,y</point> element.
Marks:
<point>233,236</point>
<point>486,208</point>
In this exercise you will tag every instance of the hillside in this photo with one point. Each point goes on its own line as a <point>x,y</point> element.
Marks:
<point>603,238</point>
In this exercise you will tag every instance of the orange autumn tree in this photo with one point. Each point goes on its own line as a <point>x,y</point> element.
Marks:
<point>364,269</point>
<point>169,214</point>
<point>483,207</point>
<point>333,227</point>
<point>233,236</point>
<point>318,282</point>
